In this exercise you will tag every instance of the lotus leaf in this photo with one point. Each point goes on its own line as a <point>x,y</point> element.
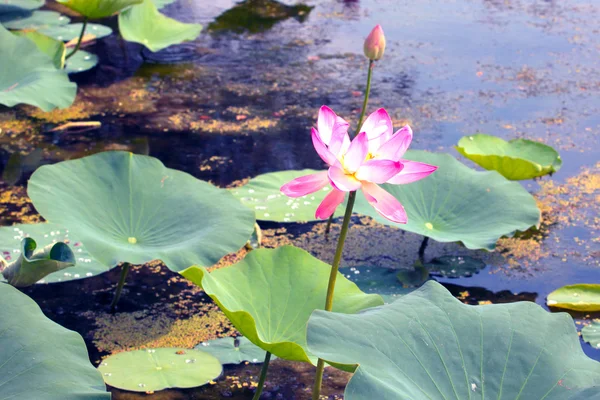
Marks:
<point>233,350</point>
<point>269,295</point>
<point>40,359</point>
<point>80,62</point>
<point>10,6</point>
<point>591,333</point>
<point>516,159</point>
<point>70,32</point>
<point>29,76</point>
<point>46,234</point>
<point>454,266</point>
<point>157,369</point>
<point>580,297</point>
<point>428,345</point>
<point>131,208</point>
<point>51,47</point>
<point>457,203</point>
<point>96,9</point>
<point>144,24</point>
<point>33,21</point>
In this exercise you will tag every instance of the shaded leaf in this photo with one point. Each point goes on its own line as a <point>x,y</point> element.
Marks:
<point>80,62</point>
<point>230,350</point>
<point>51,47</point>
<point>591,334</point>
<point>33,21</point>
<point>70,32</point>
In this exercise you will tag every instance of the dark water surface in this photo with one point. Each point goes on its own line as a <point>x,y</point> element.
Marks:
<point>239,101</point>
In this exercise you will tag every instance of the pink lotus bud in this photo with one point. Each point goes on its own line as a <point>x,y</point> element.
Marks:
<point>375,44</point>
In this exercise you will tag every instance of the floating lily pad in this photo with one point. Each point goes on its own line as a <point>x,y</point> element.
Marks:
<point>230,350</point>
<point>33,21</point>
<point>270,294</point>
<point>459,204</point>
<point>97,9</point>
<point>414,277</point>
<point>40,359</point>
<point>80,62</point>
<point>591,334</point>
<point>131,208</point>
<point>30,76</point>
<point>51,47</point>
<point>428,345</point>
<point>377,280</point>
<point>157,369</point>
<point>580,297</point>
<point>144,24</point>
<point>454,266</point>
<point>32,266</point>
<point>10,6</point>
<point>70,32</point>
<point>262,195</point>
<point>516,160</point>
<point>46,235</point>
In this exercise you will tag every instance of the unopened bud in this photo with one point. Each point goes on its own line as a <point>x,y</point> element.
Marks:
<point>375,44</point>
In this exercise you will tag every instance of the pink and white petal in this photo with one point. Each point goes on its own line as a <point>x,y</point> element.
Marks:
<point>341,181</point>
<point>321,148</point>
<point>340,140</point>
<point>378,171</point>
<point>306,184</point>
<point>325,122</point>
<point>412,172</point>
<point>395,148</point>
<point>357,153</point>
<point>384,203</point>
<point>329,204</point>
<point>378,124</point>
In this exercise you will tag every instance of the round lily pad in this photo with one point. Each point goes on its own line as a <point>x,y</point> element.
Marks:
<point>580,297</point>
<point>377,280</point>
<point>516,159</point>
<point>270,294</point>
<point>428,345</point>
<point>157,369</point>
<point>80,62</point>
<point>97,9</point>
<point>459,204</point>
<point>262,195</point>
<point>454,266</point>
<point>10,6</point>
<point>591,334</point>
<point>414,277</point>
<point>33,21</point>
<point>29,76</point>
<point>230,350</point>
<point>44,235</point>
<point>131,208</point>
<point>144,24</point>
<point>70,32</point>
<point>40,359</point>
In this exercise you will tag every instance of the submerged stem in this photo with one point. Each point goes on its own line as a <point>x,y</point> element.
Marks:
<point>328,226</point>
<point>331,287</point>
<point>78,45</point>
<point>422,249</point>
<point>263,377</point>
<point>124,271</point>
<point>366,100</point>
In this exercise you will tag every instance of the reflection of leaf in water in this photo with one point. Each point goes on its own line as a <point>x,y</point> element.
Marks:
<point>255,16</point>
<point>17,165</point>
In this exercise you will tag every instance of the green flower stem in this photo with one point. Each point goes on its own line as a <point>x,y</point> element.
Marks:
<point>124,271</point>
<point>263,377</point>
<point>366,100</point>
<point>78,45</point>
<point>331,287</point>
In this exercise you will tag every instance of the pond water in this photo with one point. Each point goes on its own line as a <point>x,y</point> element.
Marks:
<point>239,101</point>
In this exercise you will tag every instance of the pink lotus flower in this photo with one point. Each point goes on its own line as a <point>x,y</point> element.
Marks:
<point>372,158</point>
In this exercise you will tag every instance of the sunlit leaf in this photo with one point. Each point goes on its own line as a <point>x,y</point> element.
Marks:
<point>80,62</point>
<point>33,21</point>
<point>51,47</point>
<point>580,297</point>
<point>71,32</point>
<point>591,334</point>
<point>96,9</point>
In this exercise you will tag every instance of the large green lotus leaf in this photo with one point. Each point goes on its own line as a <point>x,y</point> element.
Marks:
<point>40,359</point>
<point>33,21</point>
<point>591,333</point>
<point>80,62</point>
<point>10,6</point>
<point>457,203</point>
<point>96,9</point>
<point>262,195</point>
<point>53,48</point>
<point>70,32</point>
<point>270,294</point>
<point>131,208</point>
<point>428,345</point>
<point>157,369</point>
<point>580,297</point>
<point>29,76</point>
<point>46,234</point>
<point>516,160</point>
<point>32,266</point>
<point>233,350</point>
<point>144,24</point>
